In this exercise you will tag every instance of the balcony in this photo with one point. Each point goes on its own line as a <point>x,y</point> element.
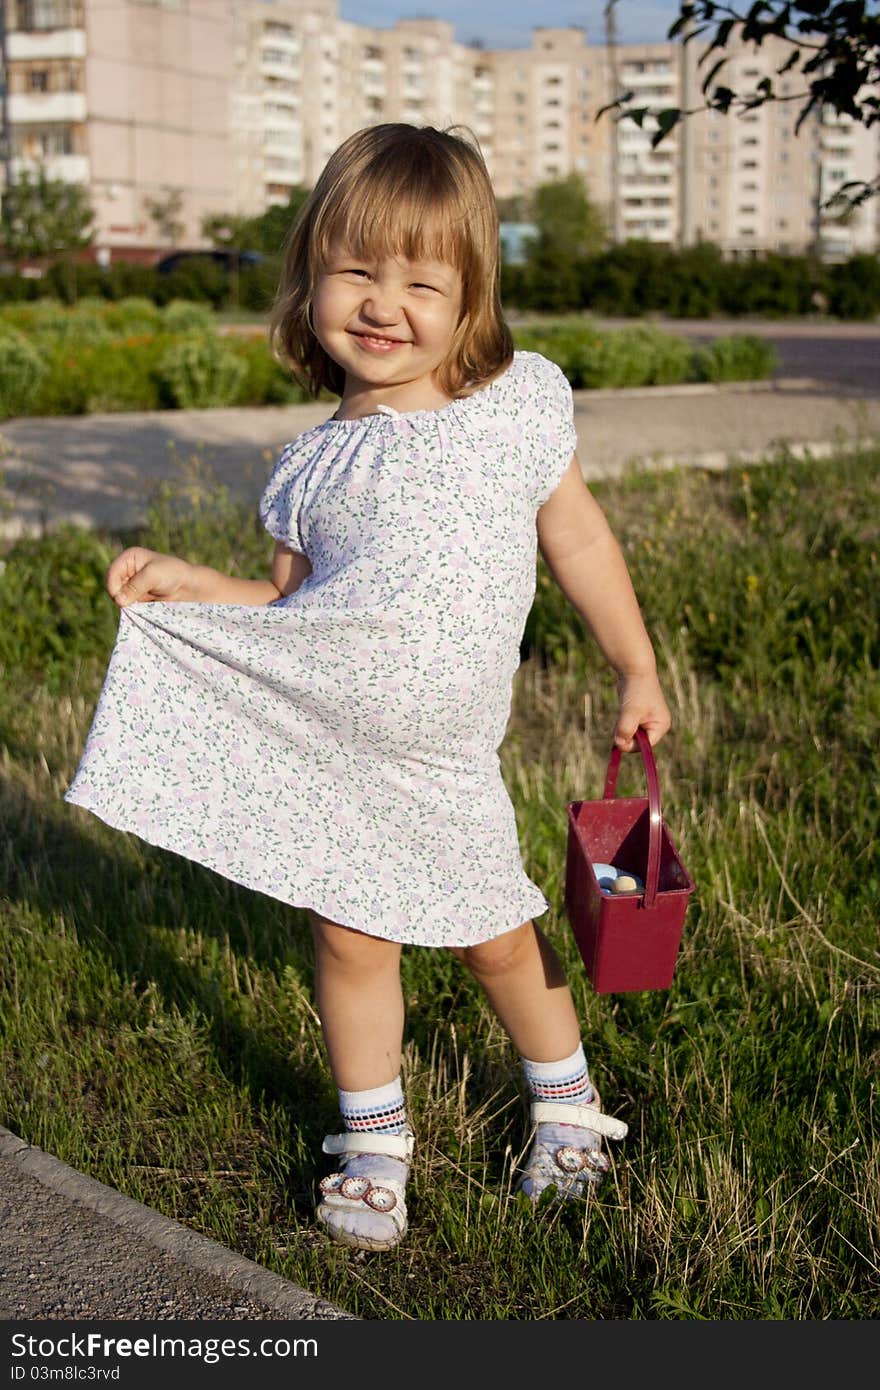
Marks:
<point>66,168</point>
<point>39,108</point>
<point>55,43</point>
<point>280,68</point>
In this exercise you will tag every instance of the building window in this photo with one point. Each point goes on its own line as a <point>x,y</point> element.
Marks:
<point>48,14</point>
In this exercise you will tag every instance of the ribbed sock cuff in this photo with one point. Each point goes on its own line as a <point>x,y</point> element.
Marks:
<point>381,1110</point>
<point>566,1082</point>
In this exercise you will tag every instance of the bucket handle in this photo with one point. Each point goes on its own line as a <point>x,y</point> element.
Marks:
<point>652,874</point>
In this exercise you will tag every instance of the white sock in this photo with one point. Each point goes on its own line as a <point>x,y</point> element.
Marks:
<point>380,1110</point>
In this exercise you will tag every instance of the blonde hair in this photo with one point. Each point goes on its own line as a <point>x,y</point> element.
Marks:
<point>399,190</point>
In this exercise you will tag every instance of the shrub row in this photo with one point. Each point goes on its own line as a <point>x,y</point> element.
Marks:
<point>630,279</point>
<point>70,362</point>
<point>640,277</point>
<point>130,356</point>
<point>594,358</point>
<point>199,279</point>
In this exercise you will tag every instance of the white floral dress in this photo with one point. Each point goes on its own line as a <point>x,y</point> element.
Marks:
<point>337,749</point>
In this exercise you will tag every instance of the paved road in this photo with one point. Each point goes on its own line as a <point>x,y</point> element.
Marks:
<point>100,470</point>
<point>846,353</point>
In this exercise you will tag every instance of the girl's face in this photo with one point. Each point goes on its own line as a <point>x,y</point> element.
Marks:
<point>389,323</point>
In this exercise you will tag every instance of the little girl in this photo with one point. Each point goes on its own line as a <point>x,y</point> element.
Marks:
<point>329,736</point>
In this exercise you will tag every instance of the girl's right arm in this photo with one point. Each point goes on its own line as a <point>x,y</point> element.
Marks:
<point>146,576</point>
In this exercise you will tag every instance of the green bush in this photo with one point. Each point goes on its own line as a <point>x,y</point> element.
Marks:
<point>257,285</point>
<point>181,315</point>
<point>116,374</point>
<point>199,279</point>
<point>134,314</point>
<point>265,381</point>
<point>54,615</point>
<point>199,371</point>
<point>21,370</point>
<point>594,358</point>
<point>740,357</point>
<point>854,288</point>
<point>772,286</point>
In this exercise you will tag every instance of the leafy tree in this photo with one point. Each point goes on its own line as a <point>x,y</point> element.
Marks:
<point>569,225</point>
<point>46,219</point>
<point>516,208</point>
<point>165,212</point>
<point>272,226</point>
<point>834,49</point>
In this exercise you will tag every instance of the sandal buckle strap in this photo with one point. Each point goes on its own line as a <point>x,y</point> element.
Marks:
<point>394,1145</point>
<point>584,1116</point>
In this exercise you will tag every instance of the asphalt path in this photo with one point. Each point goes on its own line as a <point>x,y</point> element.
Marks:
<point>103,470</point>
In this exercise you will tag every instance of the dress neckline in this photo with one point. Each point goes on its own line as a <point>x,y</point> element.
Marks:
<point>387,412</point>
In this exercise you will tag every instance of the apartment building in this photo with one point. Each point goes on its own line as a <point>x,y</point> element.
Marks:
<point>648,181</point>
<point>304,80</point>
<point>130,98</point>
<point>228,105</point>
<point>752,183</point>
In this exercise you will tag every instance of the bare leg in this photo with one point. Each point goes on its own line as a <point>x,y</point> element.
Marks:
<point>360,1004</point>
<point>526,986</point>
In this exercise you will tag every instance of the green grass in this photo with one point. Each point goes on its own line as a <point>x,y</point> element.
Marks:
<point>157,1028</point>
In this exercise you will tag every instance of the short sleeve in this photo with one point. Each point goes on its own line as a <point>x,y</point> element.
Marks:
<point>281,503</point>
<point>549,437</point>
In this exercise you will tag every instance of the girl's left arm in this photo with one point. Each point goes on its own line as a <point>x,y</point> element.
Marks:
<point>588,565</point>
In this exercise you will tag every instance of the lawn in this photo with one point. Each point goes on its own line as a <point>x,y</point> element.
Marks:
<point>157,1028</point>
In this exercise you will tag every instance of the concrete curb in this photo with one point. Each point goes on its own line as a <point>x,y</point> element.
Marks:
<point>185,1246</point>
<point>718,460</point>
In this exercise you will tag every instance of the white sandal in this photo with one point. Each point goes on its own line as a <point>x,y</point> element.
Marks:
<point>347,1193</point>
<point>570,1168</point>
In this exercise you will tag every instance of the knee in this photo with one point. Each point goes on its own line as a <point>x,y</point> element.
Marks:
<point>342,948</point>
<point>499,956</point>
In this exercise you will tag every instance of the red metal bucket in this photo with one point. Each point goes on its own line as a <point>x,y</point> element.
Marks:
<point>629,941</point>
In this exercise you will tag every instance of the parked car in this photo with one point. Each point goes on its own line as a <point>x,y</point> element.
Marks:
<point>227,259</point>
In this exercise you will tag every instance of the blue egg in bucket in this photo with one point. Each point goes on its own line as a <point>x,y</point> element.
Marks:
<point>606,874</point>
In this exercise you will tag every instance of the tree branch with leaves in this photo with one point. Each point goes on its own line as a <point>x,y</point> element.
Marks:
<point>834,49</point>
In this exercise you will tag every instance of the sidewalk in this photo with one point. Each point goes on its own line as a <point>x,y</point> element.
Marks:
<point>72,1248</point>
<point>98,470</point>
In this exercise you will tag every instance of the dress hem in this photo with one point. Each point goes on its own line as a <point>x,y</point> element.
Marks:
<point>151,837</point>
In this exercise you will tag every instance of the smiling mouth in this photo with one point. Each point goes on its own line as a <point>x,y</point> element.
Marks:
<point>378,339</point>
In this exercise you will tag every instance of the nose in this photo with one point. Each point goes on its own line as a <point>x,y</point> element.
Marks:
<point>381,304</point>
